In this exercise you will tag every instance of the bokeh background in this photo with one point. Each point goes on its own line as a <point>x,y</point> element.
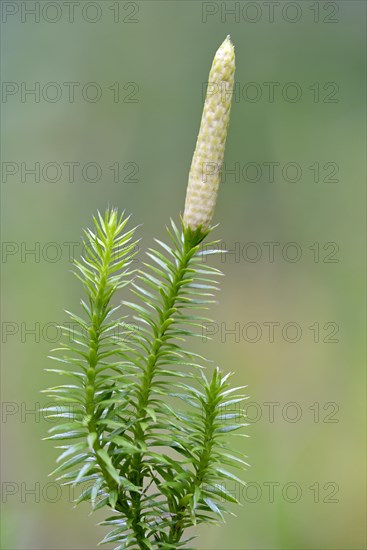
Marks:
<point>149,61</point>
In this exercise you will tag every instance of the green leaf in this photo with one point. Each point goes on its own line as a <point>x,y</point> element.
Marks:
<point>106,459</point>
<point>214,508</point>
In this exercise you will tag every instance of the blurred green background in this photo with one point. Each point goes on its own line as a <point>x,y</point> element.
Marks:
<point>306,483</point>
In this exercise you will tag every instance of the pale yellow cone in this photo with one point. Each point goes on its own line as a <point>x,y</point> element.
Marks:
<point>204,177</point>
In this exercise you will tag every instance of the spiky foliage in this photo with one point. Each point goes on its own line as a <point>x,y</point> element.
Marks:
<point>145,428</point>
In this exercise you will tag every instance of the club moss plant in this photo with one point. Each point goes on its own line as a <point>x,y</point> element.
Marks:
<point>145,429</point>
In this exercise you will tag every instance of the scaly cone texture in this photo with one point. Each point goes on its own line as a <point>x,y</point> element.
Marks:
<point>207,161</point>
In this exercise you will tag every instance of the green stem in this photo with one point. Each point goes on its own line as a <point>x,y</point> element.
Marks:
<point>177,529</point>
<point>189,248</point>
<point>98,310</point>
